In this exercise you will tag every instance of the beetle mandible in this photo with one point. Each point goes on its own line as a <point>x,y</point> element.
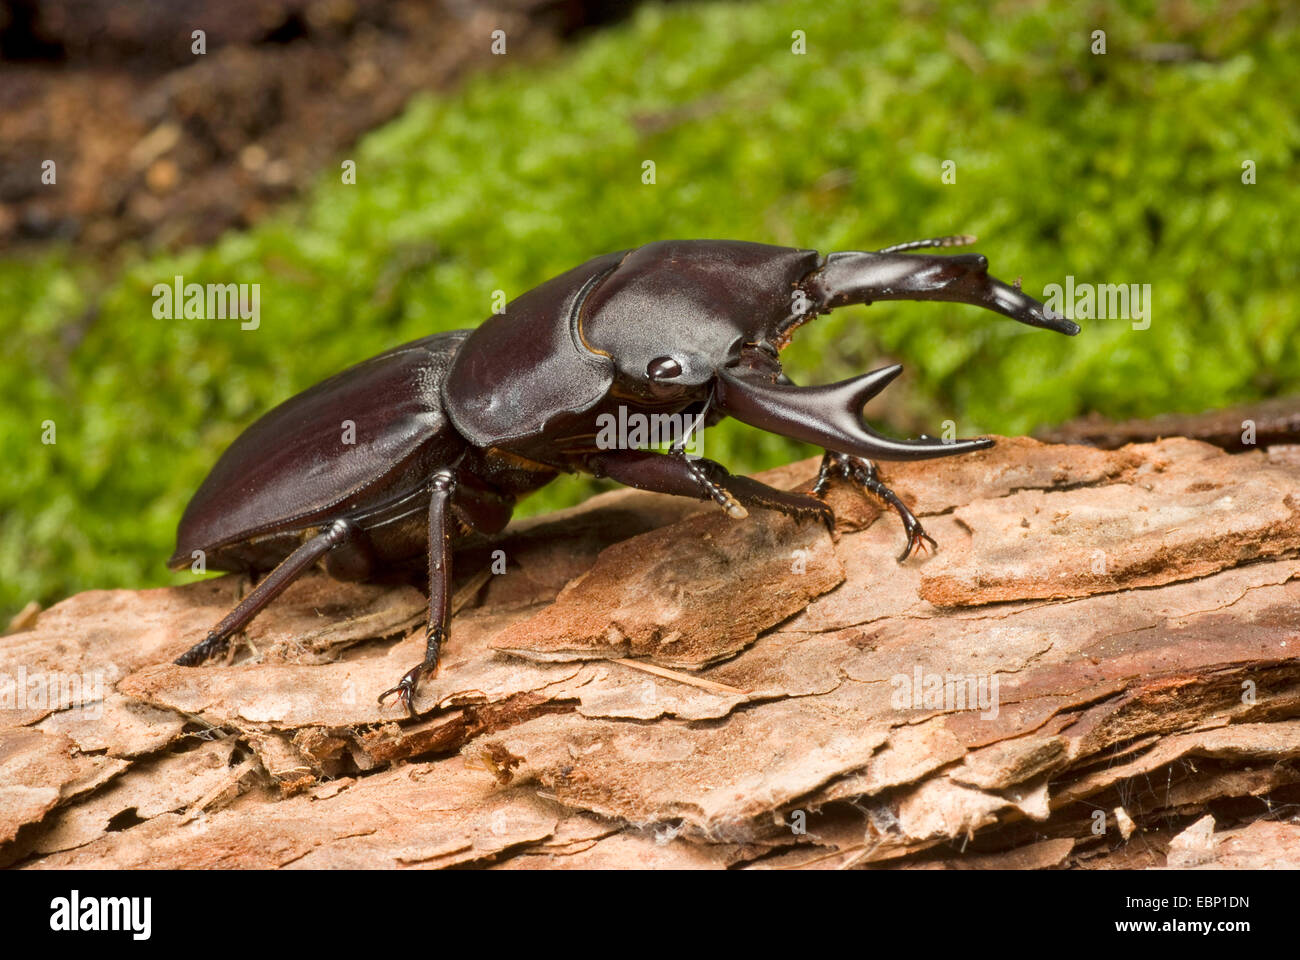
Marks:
<point>453,428</point>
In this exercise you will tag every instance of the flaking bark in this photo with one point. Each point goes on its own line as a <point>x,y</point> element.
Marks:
<point>651,684</point>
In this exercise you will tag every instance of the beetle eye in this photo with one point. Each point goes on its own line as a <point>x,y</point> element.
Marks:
<point>663,368</point>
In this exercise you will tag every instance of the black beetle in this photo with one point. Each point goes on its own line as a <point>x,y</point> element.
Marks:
<point>451,429</point>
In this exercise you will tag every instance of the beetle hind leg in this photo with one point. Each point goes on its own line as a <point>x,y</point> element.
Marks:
<point>862,471</point>
<point>272,585</point>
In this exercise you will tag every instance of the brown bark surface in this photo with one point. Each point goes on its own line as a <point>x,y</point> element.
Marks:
<point>1098,669</point>
<point>1267,423</point>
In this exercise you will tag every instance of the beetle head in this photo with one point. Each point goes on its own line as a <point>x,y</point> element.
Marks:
<point>680,322</point>
<point>700,320</point>
<point>676,312</point>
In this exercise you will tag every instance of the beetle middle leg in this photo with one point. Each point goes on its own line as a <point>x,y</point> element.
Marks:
<point>442,488</point>
<point>862,471</point>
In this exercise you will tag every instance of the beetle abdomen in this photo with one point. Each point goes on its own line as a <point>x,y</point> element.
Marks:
<point>338,449</point>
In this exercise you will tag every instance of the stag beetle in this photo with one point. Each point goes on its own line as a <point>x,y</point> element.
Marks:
<point>453,428</point>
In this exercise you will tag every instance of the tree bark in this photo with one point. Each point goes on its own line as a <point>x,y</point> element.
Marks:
<point>1101,656</point>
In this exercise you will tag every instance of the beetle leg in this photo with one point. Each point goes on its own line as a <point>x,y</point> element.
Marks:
<point>863,472</point>
<point>716,490</point>
<point>752,493</point>
<point>272,585</point>
<point>442,487</point>
<point>677,474</point>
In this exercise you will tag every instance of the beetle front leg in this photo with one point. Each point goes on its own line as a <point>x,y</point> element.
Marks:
<point>442,487</point>
<point>862,471</point>
<point>677,474</point>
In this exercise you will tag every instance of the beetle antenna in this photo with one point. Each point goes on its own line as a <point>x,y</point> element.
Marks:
<point>680,445</point>
<point>958,240</point>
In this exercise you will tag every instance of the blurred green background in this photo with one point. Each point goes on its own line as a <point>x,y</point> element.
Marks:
<point>1122,168</point>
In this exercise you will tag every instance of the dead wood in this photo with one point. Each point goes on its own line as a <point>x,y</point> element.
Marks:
<point>1098,669</point>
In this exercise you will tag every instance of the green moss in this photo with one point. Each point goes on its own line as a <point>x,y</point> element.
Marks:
<point>1111,168</point>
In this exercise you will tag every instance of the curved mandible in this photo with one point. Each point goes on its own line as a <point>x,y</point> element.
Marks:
<point>829,416</point>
